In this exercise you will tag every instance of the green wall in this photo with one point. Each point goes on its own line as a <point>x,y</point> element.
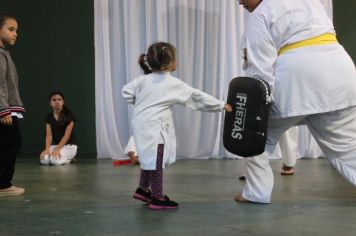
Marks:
<point>345,24</point>
<point>55,51</point>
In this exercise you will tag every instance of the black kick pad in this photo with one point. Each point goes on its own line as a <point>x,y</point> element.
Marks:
<point>245,128</point>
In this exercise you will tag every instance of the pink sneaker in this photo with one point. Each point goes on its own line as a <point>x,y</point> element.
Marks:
<point>157,204</point>
<point>142,195</point>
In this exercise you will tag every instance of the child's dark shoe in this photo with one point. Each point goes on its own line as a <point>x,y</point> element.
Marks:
<point>158,204</point>
<point>142,195</point>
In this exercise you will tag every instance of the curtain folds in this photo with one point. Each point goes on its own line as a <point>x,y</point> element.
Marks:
<point>207,35</point>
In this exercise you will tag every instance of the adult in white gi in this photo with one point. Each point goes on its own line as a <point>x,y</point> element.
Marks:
<point>296,142</point>
<point>153,96</point>
<point>292,45</point>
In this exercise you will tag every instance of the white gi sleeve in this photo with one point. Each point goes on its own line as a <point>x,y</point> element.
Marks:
<point>129,91</point>
<point>198,100</point>
<point>261,50</point>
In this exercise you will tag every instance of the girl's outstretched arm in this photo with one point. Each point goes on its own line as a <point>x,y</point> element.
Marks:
<point>199,100</point>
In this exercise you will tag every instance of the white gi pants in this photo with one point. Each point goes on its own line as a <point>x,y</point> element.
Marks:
<point>296,143</point>
<point>288,143</point>
<point>67,152</point>
<point>335,132</point>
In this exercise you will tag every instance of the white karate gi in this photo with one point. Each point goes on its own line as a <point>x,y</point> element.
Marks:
<point>153,96</point>
<point>315,85</point>
<point>297,142</point>
<point>67,152</point>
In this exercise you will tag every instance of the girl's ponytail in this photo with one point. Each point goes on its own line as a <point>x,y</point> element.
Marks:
<point>143,64</point>
<point>161,56</point>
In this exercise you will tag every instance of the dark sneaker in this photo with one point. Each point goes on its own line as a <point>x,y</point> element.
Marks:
<point>142,195</point>
<point>157,204</point>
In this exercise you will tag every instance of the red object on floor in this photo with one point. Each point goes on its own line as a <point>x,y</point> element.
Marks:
<point>121,162</point>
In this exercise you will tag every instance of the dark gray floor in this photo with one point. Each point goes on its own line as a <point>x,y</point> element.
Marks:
<point>94,198</point>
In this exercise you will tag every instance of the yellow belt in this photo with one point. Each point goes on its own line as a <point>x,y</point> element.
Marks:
<point>319,40</point>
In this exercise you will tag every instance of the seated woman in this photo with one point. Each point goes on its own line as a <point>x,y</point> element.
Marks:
<point>60,148</point>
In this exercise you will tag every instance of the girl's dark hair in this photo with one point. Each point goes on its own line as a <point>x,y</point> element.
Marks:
<point>66,116</point>
<point>56,92</point>
<point>5,16</point>
<point>161,56</point>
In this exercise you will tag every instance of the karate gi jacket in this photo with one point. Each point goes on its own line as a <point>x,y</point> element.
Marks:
<point>306,80</point>
<point>153,97</point>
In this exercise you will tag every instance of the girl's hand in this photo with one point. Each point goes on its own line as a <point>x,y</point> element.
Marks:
<point>6,120</point>
<point>56,154</point>
<point>44,153</point>
<point>133,158</point>
<point>228,107</point>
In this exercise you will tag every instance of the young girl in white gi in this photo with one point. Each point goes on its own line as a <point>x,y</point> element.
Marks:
<point>60,148</point>
<point>153,96</point>
<point>292,45</point>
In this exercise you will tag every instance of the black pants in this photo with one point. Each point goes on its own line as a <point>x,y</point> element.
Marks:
<point>10,143</point>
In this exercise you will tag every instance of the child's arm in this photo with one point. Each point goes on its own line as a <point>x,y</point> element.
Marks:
<point>198,100</point>
<point>129,92</point>
<point>64,140</point>
<point>5,114</point>
<point>47,150</point>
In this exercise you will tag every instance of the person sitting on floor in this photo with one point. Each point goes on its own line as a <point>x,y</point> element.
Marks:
<point>60,148</point>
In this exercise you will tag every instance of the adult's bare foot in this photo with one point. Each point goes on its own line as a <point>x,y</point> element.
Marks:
<point>287,170</point>
<point>240,198</point>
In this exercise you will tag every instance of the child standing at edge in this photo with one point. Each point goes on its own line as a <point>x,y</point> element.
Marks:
<point>153,96</point>
<point>11,107</point>
<point>60,148</point>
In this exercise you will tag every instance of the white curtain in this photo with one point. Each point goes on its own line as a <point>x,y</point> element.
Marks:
<point>207,35</point>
